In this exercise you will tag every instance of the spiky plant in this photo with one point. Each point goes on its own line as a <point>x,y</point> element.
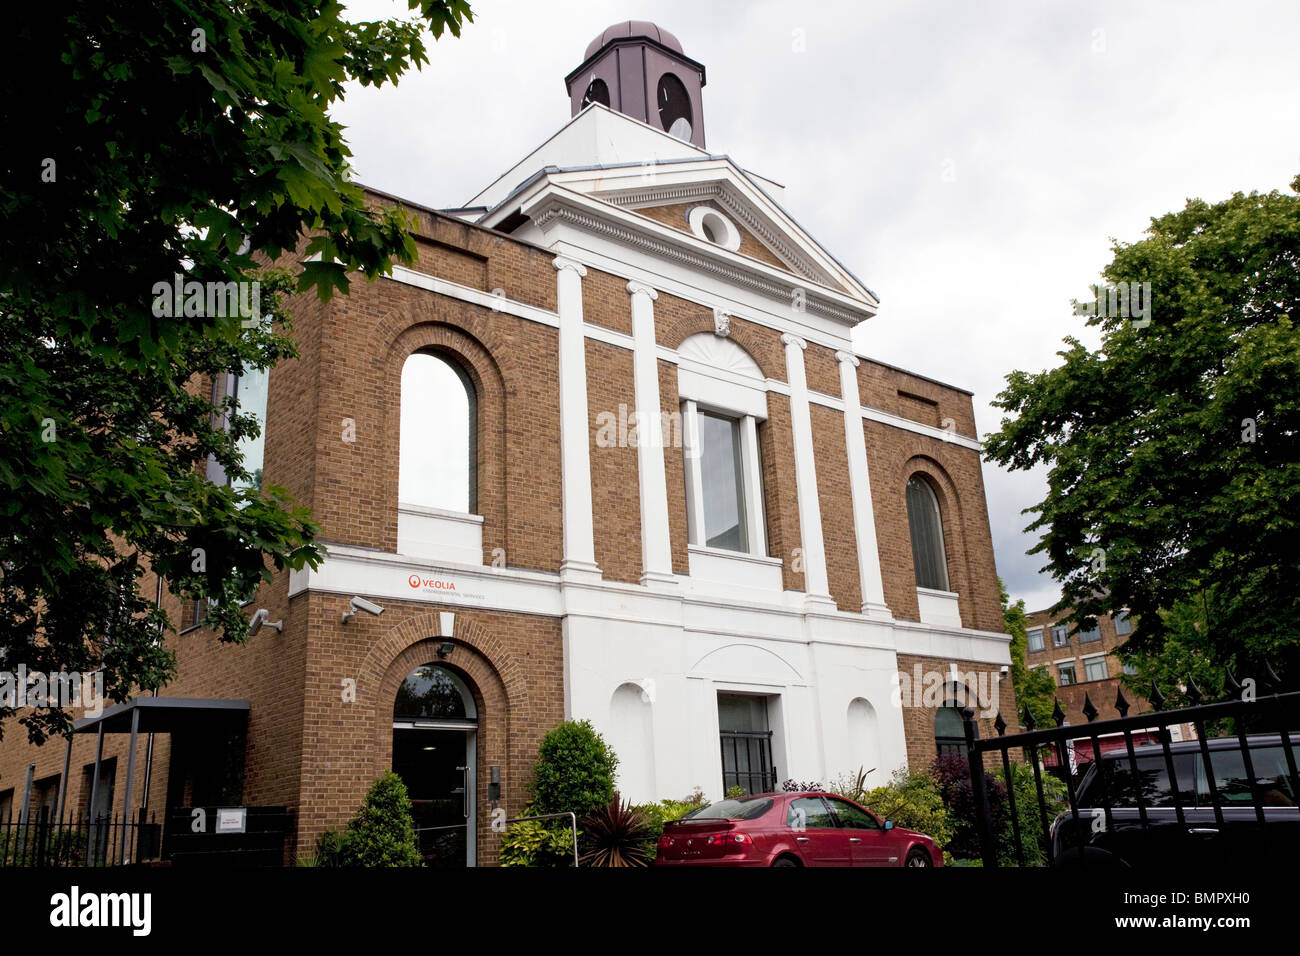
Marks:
<point>617,834</point>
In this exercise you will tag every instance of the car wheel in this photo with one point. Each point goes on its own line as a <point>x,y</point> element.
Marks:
<point>918,857</point>
<point>785,861</point>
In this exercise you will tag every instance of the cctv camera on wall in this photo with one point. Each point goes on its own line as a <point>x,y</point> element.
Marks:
<point>361,604</point>
<point>259,619</point>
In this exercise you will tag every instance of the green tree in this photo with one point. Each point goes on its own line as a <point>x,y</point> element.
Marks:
<point>383,832</point>
<point>1173,449</point>
<point>145,142</point>
<point>574,771</point>
<point>1034,686</point>
<point>1181,654</point>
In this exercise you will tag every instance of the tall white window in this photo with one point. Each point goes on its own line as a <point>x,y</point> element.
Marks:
<point>721,473</point>
<point>251,391</point>
<point>436,467</point>
<point>923,520</point>
<point>723,485</point>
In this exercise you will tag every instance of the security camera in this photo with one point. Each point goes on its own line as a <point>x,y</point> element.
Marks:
<point>361,604</point>
<point>259,618</point>
<point>1005,670</point>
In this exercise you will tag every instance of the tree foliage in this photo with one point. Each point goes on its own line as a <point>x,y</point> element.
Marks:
<point>1173,449</point>
<point>383,832</point>
<point>574,771</point>
<point>146,142</point>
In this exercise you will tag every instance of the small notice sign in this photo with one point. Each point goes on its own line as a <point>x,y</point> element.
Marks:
<point>231,819</point>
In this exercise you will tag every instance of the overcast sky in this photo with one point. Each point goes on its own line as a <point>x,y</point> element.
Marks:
<point>969,161</point>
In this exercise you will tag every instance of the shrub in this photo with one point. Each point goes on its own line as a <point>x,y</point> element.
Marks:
<point>616,836</point>
<point>382,833</point>
<point>911,799</point>
<point>953,772</point>
<point>796,786</point>
<point>1032,836</point>
<point>330,849</point>
<point>657,814</point>
<point>574,771</point>
<point>534,843</point>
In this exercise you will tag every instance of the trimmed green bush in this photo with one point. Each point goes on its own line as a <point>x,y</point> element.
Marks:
<point>382,833</point>
<point>574,771</point>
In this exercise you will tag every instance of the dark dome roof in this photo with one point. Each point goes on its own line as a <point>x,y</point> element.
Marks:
<point>633,28</point>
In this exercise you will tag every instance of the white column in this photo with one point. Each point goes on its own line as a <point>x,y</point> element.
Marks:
<point>656,548</point>
<point>816,588</point>
<point>579,557</point>
<point>864,520</point>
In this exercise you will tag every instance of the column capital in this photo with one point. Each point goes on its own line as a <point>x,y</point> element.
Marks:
<point>789,339</point>
<point>564,262</point>
<point>847,357</point>
<point>634,287</point>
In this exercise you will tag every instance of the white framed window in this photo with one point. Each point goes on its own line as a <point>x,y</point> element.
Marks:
<point>1094,668</point>
<point>438,435</point>
<point>1060,636</point>
<point>1122,624</point>
<point>1035,636</point>
<point>1065,675</point>
<point>724,492</point>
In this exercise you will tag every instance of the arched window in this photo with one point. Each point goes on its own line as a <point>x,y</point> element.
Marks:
<point>928,556</point>
<point>949,733</point>
<point>432,692</point>
<point>438,437</point>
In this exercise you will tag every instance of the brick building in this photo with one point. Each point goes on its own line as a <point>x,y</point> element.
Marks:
<point>1085,666</point>
<point>604,451</point>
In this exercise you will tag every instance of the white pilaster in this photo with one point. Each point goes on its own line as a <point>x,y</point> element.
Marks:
<point>864,521</point>
<point>816,588</point>
<point>656,549</point>
<point>579,557</point>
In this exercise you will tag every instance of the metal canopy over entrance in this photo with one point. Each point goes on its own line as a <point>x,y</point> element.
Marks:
<point>148,715</point>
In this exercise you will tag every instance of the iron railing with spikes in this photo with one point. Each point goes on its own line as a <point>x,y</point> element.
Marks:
<point>1113,831</point>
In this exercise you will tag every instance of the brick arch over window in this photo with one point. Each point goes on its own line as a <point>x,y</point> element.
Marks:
<point>677,320</point>
<point>952,518</point>
<point>427,329</point>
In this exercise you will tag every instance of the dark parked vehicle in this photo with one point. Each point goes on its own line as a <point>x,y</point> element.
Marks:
<point>791,829</point>
<point>1183,825</point>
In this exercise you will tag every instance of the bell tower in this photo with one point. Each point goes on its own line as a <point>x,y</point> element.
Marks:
<point>638,69</point>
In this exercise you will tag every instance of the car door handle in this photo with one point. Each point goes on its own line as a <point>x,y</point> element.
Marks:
<point>801,839</point>
<point>855,839</point>
<point>1203,831</point>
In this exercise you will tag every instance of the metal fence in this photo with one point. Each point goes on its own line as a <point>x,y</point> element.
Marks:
<point>747,761</point>
<point>1122,798</point>
<point>42,840</point>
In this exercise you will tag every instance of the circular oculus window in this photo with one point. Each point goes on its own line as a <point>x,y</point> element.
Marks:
<point>712,226</point>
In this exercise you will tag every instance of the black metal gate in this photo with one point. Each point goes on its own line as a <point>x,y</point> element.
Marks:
<point>747,761</point>
<point>1164,802</point>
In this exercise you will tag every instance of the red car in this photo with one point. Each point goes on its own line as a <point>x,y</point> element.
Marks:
<point>791,829</point>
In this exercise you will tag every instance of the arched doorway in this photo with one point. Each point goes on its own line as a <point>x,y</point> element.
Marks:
<point>435,729</point>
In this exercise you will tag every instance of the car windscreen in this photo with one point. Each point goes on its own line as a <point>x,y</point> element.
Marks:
<point>744,808</point>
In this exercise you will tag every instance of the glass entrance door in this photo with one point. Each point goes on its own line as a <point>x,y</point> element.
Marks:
<point>437,766</point>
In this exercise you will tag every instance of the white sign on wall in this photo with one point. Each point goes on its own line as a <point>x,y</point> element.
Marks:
<point>231,819</point>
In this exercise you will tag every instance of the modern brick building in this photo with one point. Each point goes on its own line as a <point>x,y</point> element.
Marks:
<point>605,451</point>
<point>1085,666</point>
